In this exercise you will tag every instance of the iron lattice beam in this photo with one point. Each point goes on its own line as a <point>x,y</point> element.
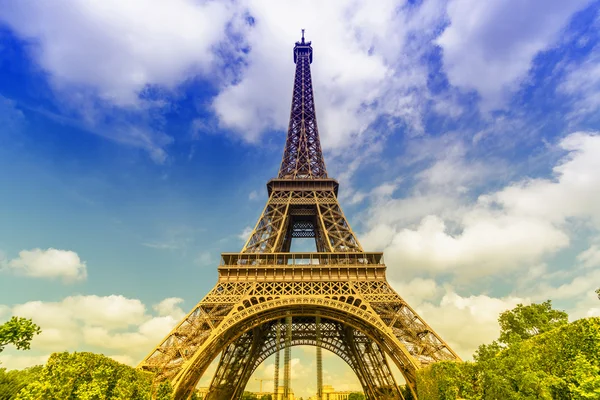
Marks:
<point>302,156</point>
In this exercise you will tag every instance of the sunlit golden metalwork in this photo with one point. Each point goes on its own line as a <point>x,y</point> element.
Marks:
<point>337,298</point>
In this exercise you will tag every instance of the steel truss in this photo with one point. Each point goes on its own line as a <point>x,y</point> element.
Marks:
<point>362,355</point>
<point>267,299</point>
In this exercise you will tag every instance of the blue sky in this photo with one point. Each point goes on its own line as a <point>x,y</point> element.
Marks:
<point>137,139</point>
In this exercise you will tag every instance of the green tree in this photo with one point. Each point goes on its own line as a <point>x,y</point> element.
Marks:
<point>87,376</point>
<point>487,352</point>
<point>266,397</point>
<point>165,391</point>
<point>560,364</point>
<point>406,392</point>
<point>524,322</point>
<point>18,332</point>
<point>11,382</point>
<point>584,379</point>
<point>598,293</point>
<point>249,396</point>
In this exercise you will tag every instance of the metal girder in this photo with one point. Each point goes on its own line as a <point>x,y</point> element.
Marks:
<point>302,156</point>
<point>241,358</point>
<point>319,359</point>
<point>234,369</point>
<point>293,212</point>
<point>287,359</point>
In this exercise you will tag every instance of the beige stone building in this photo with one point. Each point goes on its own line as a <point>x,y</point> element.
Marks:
<point>279,394</point>
<point>329,393</point>
<point>202,391</point>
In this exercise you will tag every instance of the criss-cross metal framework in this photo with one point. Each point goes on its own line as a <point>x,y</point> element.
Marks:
<point>268,298</point>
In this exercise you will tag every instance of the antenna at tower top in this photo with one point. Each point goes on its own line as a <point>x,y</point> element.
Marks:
<point>302,35</point>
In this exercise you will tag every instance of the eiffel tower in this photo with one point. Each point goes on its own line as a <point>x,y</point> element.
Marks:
<point>268,298</point>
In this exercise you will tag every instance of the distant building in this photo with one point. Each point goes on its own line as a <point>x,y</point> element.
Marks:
<point>279,394</point>
<point>203,391</point>
<point>329,393</point>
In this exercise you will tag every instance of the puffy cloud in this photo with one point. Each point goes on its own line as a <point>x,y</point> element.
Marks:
<point>590,258</point>
<point>61,321</point>
<point>368,36</point>
<point>168,307</point>
<point>110,324</point>
<point>114,311</point>
<point>481,248</point>
<point>517,225</point>
<point>21,361</point>
<point>123,359</point>
<point>50,263</point>
<point>117,48</point>
<point>245,233</point>
<point>466,322</point>
<point>489,46</point>
<point>417,290</point>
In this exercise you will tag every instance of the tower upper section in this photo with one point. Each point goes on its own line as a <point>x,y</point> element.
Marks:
<point>302,156</point>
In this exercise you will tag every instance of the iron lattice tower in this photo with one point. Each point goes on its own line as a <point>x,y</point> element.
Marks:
<point>337,298</point>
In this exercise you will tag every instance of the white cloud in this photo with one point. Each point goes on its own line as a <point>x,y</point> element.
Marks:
<point>98,55</point>
<point>488,243</point>
<point>515,226</point>
<point>245,234</point>
<point>50,263</point>
<point>417,290</point>
<point>21,361</point>
<point>114,311</point>
<point>123,359</point>
<point>117,48</point>
<point>466,322</point>
<point>113,325</point>
<point>590,258</point>
<point>366,35</point>
<point>489,46</point>
<point>582,83</point>
<point>4,310</point>
<point>169,307</point>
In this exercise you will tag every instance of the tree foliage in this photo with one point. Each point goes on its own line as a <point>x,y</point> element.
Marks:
<point>524,322</point>
<point>560,363</point>
<point>406,392</point>
<point>11,382</point>
<point>195,396</point>
<point>164,391</point>
<point>249,396</point>
<point>87,376</point>
<point>18,332</point>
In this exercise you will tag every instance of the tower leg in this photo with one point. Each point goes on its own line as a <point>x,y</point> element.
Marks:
<point>319,360</point>
<point>235,366</point>
<point>373,369</point>
<point>287,358</point>
<point>276,377</point>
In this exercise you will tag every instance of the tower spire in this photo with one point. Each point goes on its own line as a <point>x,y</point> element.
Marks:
<point>302,156</point>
